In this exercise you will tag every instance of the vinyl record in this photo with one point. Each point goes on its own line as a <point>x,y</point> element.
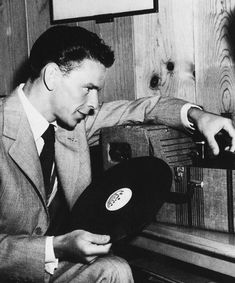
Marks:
<point>125,199</point>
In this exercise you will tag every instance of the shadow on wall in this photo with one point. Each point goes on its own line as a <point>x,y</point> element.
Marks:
<point>231,34</point>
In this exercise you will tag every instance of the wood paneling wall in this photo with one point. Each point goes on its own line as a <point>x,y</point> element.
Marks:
<point>13,42</point>
<point>164,51</point>
<point>181,51</point>
<point>215,75</point>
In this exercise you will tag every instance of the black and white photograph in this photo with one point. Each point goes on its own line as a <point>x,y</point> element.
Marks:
<point>117,141</point>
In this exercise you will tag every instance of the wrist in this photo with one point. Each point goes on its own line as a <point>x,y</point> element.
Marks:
<point>194,114</point>
<point>59,246</point>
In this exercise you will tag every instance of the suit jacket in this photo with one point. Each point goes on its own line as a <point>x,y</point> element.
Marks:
<point>24,217</point>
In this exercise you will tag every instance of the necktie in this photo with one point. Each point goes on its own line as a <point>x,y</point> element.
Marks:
<point>47,156</point>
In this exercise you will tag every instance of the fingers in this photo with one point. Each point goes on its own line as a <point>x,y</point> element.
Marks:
<point>95,244</point>
<point>211,125</point>
<point>93,249</point>
<point>213,144</point>
<point>99,239</point>
<point>99,244</point>
<point>93,238</point>
<point>81,245</point>
<point>231,131</point>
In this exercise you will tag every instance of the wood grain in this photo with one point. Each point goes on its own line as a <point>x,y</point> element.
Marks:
<point>211,250</point>
<point>215,199</point>
<point>215,78</point>
<point>120,77</point>
<point>38,19</point>
<point>164,48</point>
<point>13,43</point>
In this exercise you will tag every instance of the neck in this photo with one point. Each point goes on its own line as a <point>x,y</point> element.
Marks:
<point>39,97</point>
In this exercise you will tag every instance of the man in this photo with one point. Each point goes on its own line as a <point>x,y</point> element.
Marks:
<point>68,67</point>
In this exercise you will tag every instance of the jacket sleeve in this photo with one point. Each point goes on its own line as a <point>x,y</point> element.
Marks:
<point>22,258</point>
<point>155,109</point>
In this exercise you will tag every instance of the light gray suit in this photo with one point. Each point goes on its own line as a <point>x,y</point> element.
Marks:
<point>24,217</point>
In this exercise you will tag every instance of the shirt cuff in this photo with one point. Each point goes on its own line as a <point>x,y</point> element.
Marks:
<point>51,262</point>
<point>184,115</point>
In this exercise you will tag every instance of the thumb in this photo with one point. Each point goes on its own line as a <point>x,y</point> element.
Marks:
<point>213,145</point>
<point>100,239</point>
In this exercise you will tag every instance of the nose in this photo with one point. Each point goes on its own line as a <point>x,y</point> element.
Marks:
<point>93,101</point>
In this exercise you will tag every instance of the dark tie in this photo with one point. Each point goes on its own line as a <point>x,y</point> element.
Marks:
<point>47,156</point>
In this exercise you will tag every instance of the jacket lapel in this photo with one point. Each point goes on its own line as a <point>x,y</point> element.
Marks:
<point>22,147</point>
<point>71,152</point>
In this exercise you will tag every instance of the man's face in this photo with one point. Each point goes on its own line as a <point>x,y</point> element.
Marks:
<point>76,93</point>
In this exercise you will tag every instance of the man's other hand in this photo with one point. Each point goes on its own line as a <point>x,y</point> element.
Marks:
<point>209,125</point>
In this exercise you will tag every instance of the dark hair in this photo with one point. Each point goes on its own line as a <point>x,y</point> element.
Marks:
<point>66,45</point>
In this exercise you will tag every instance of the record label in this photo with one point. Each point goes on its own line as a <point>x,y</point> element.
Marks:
<point>118,199</point>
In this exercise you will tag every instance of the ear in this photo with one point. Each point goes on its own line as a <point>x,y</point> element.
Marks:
<point>50,74</point>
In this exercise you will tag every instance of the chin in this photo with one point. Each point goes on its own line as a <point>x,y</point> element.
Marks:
<point>68,126</point>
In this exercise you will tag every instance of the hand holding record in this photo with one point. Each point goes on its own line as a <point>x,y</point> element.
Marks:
<point>81,245</point>
<point>124,200</point>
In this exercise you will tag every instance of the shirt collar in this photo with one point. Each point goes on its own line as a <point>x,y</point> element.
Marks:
<point>37,122</point>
